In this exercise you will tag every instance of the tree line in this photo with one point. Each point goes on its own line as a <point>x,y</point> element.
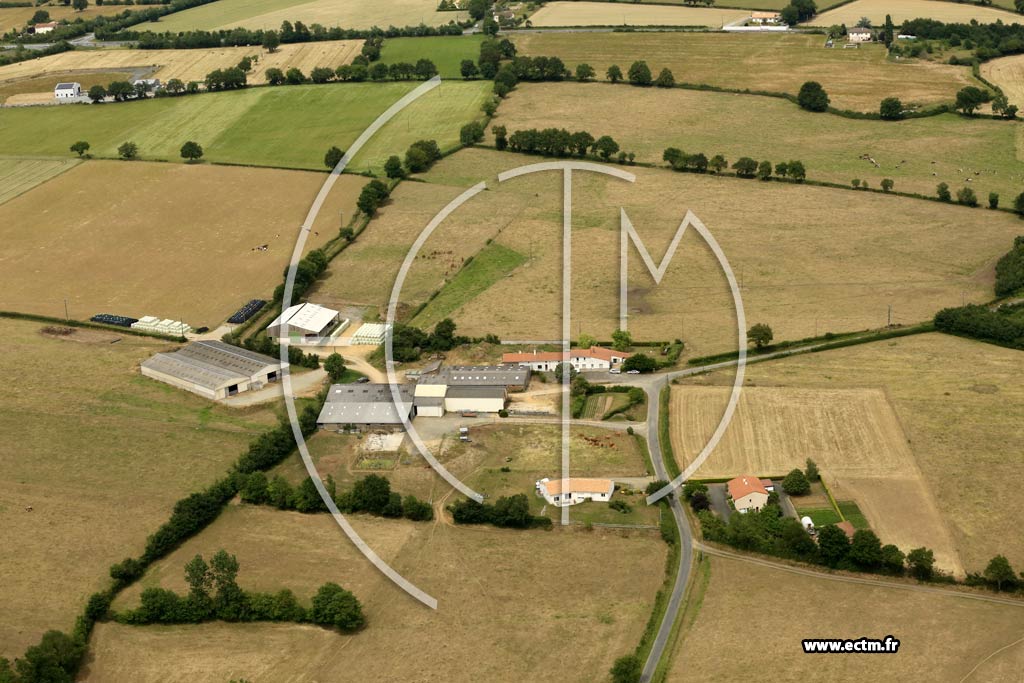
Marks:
<point>372,494</point>
<point>559,142</point>
<point>745,167</point>
<point>214,594</point>
<point>987,40</point>
<point>507,511</point>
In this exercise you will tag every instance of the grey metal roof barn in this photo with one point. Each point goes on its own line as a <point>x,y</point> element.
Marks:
<point>212,369</point>
<point>475,392</point>
<point>364,405</point>
<point>480,376</point>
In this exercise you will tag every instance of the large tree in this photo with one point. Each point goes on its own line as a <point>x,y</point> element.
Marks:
<point>921,562</point>
<point>640,73</point>
<point>333,157</point>
<point>760,335</point>
<point>812,97</point>
<point>1000,572</point>
<point>796,484</point>
<point>337,607</point>
<point>191,151</point>
<point>866,550</point>
<point>833,545</point>
<point>970,99</point>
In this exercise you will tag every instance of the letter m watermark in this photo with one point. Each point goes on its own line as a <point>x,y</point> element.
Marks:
<point>627,233</point>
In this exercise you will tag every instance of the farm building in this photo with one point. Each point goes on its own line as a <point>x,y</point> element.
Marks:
<point>594,358</point>
<point>212,369</point>
<point>67,91</point>
<point>468,388</point>
<point>370,334</point>
<point>151,323</point>
<point>44,27</point>
<point>306,323</point>
<point>766,18</point>
<point>151,84</point>
<point>859,35</point>
<point>747,493</point>
<point>563,492</point>
<point>365,407</point>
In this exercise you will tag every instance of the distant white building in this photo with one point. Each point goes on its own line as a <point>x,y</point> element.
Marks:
<point>859,35</point>
<point>306,323</point>
<point>594,358</point>
<point>769,18</point>
<point>67,91</point>
<point>44,27</point>
<point>152,84</point>
<point>563,492</point>
<point>370,333</point>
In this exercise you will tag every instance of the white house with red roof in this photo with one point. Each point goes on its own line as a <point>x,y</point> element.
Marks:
<point>563,492</point>
<point>748,492</point>
<point>594,358</point>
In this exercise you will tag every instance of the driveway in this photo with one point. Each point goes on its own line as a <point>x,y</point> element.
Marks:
<point>719,501</point>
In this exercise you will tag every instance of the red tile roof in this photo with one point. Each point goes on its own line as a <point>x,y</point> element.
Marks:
<point>745,485</point>
<point>598,352</point>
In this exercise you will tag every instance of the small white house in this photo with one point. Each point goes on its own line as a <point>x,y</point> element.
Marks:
<point>766,18</point>
<point>859,35</point>
<point>563,492</point>
<point>44,27</point>
<point>67,91</point>
<point>594,358</point>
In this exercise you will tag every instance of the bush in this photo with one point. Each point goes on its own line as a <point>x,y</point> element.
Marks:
<point>812,97</point>
<point>891,109</point>
<point>471,133</point>
<point>337,607</point>
<point>1010,269</point>
<point>796,484</point>
<point>627,669</point>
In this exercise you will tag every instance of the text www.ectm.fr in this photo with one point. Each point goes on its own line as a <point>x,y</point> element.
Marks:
<point>838,645</point>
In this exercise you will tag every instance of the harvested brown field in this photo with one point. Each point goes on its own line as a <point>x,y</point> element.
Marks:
<point>905,10</point>
<point>941,638</point>
<point>956,402</point>
<point>916,154</point>
<point>1008,74</point>
<point>616,14</point>
<point>854,79</point>
<point>73,463</point>
<point>496,589</point>
<point>816,273</point>
<point>18,17</point>
<point>853,435</point>
<point>136,238</point>
<point>187,65</point>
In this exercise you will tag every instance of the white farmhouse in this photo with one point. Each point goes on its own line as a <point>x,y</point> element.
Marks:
<point>747,493</point>
<point>562,492</point>
<point>859,35</point>
<point>594,358</point>
<point>44,27</point>
<point>67,91</point>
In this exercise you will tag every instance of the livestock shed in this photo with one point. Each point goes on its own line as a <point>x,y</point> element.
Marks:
<point>212,369</point>
<point>306,323</point>
<point>365,407</point>
<point>474,399</point>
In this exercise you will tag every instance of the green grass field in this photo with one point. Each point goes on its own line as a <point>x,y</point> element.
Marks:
<point>289,127</point>
<point>447,52</point>
<point>18,176</point>
<point>820,516</point>
<point>492,263</point>
<point>853,514</point>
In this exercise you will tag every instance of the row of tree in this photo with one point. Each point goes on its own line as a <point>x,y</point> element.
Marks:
<point>507,511</point>
<point>1010,268</point>
<point>422,70</point>
<point>556,142</point>
<point>981,322</point>
<point>214,593</point>
<point>745,167</point>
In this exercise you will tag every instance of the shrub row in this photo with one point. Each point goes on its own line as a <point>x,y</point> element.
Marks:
<point>507,511</point>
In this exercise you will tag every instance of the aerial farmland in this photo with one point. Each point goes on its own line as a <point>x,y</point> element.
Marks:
<point>461,340</point>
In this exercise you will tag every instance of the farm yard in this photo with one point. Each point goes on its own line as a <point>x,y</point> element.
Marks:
<point>18,176</point>
<point>854,79</point>
<point>582,619</point>
<point>186,65</point>
<point>950,402</point>
<point>268,14</point>
<point>72,238</point>
<point>78,461</point>
<point>905,10</point>
<point>947,647</point>
<point>284,126</point>
<point>581,13</point>
<point>916,153</point>
<point>816,274</point>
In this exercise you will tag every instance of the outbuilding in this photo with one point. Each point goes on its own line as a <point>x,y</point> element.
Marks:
<point>306,323</point>
<point>213,369</point>
<point>460,399</point>
<point>747,493</point>
<point>366,407</point>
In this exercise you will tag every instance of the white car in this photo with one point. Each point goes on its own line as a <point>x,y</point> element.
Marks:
<point>632,372</point>
<point>615,371</point>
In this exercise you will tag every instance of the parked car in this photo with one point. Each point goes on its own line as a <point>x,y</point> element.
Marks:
<point>632,372</point>
<point>615,371</point>
<point>362,380</point>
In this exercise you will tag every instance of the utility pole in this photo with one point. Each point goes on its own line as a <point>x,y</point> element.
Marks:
<point>889,324</point>
<point>66,316</point>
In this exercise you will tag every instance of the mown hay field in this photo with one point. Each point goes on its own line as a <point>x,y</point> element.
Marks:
<point>941,638</point>
<point>803,269</point>
<point>854,79</point>
<point>496,591</point>
<point>18,176</point>
<point>1008,74</point>
<point>853,435</point>
<point>283,126</point>
<point>189,65</point>
<point>174,241</point>
<point>446,52</point>
<point>12,18</point>
<point>956,402</point>
<point>579,13</point>
<point>268,14</point>
<point>917,153</point>
<point>905,10</point>
<point>39,89</point>
<point>81,448</point>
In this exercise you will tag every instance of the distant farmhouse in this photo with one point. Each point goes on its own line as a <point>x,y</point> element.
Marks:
<point>365,408</point>
<point>44,27</point>
<point>213,369</point>
<point>468,388</point>
<point>766,18</point>
<point>859,35</point>
<point>67,91</point>
<point>594,358</point>
<point>563,492</point>
<point>749,492</point>
<point>306,323</point>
